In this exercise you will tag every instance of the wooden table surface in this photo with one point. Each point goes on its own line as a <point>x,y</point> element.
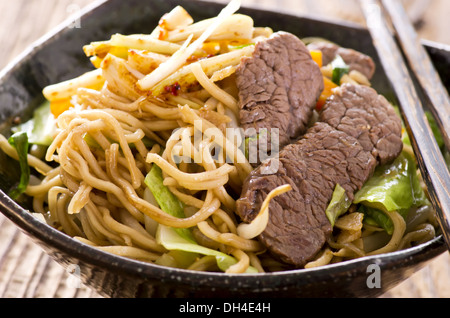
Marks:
<point>27,272</point>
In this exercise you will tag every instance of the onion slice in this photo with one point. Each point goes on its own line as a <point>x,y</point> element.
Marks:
<point>257,226</point>
<point>180,57</point>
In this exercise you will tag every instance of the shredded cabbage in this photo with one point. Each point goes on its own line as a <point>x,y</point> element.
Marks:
<point>393,187</point>
<point>339,204</point>
<point>175,239</point>
<point>340,68</point>
<point>20,142</point>
<point>171,240</point>
<point>41,128</point>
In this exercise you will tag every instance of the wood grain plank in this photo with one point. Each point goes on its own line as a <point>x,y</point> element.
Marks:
<point>24,268</point>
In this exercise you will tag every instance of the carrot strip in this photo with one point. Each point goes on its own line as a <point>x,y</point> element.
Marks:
<point>317,57</point>
<point>327,92</point>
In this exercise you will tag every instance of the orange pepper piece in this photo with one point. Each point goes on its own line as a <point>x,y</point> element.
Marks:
<point>317,57</point>
<point>327,92</point>
<point>57,107</point>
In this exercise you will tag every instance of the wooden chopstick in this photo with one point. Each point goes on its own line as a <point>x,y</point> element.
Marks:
<point>430,159</point>
<point>423,68</point>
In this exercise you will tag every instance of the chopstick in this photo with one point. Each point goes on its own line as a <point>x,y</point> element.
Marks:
<point>430,159</point>
<point>420,63</point>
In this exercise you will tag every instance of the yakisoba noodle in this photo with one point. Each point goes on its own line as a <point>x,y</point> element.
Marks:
<point>162,87</point>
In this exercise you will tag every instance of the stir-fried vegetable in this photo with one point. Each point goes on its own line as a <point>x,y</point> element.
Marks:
<point>233,26</point>
<point>171,240</point>
<point>394,187</point>
<point>180,57</point>
<point>41,128</point>
<point>65,90</point>
<point>317,57</point>
<point>135,41</point>
<point>378,218</point>
<point>20,142</point>
<point>327,92</point>
<point>182,240</point>
<point>184,76</point>
<point>259,223</point>
<point>168,202</point>
<point>339,69</point>
<point>339,204</point>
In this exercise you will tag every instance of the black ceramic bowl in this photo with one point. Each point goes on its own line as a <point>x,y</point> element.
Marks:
<point>59,57</point>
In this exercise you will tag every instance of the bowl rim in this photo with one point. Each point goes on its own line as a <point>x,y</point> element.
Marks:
<point>84,252</point>
<point>45,234</point>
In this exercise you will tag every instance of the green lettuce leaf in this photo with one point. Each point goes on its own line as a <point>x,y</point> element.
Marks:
<point>167,201</point>
<point>377,217</point>
<point>41,127</point>
<point>175,239</point>
<point>19,141</point>
<point>393,187</point>
<point>339,69</point>
<point>339,204</point>
<point>171,240</point>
